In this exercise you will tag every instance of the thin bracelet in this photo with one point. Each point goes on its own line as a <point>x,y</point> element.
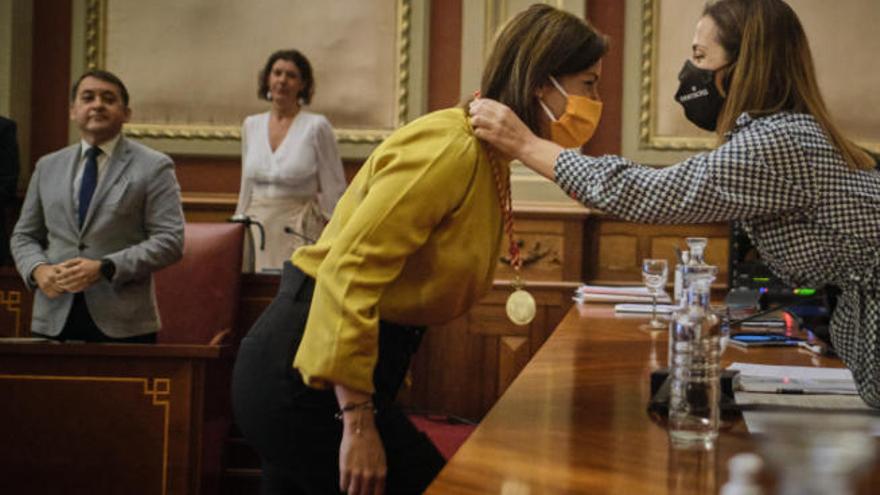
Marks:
<point>360,406</point>
<point>357,406</point>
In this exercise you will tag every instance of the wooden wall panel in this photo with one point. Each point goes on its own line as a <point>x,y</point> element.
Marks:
<point>514,353</point>
<point>618,247</point>
<point>50,79</point>
<point>16,304</point>
<point>618,254</point>
<point>444,72</point>
<point>609,17</point>
<point>139,417</point>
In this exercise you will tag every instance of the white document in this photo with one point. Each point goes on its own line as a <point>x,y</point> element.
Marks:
<point>767,409</point>
<point>806,380</point>
<point>642,308</point>
<point>629,290</point>
<point>603,293</point>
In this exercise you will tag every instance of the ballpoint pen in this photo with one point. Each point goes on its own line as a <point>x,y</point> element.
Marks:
<point>817,391</point>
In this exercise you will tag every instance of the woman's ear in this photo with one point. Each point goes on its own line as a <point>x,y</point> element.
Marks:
<point>723,78</point>
<point>541,90</point>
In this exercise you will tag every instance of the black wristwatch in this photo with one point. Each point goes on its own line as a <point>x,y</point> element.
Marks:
<point>108,269</point>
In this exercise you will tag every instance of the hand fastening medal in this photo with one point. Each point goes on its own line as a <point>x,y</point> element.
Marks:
<point>520,307</point>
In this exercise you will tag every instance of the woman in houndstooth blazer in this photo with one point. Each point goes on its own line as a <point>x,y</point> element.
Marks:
<point>807,196</point>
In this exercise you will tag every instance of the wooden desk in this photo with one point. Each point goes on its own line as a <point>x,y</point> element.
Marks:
<point>110,418</point>
<point>574,420</point>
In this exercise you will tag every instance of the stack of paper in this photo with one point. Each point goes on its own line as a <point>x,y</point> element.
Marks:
<point>602,293</point>
<point>636,308</point>
<point>784,394</point>
<point>794,379</point>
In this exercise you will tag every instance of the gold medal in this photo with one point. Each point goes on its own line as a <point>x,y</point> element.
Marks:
<point>521,307</point>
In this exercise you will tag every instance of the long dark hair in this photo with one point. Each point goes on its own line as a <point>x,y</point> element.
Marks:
<point>773,68</point>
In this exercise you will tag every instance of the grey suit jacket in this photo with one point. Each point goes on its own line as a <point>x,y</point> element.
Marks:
<point>135,219</point>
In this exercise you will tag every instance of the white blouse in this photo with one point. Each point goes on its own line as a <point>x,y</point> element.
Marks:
<point>306,163</point>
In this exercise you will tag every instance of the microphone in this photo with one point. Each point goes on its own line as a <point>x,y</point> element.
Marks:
<point>247,222</point>
<point>289,230</point>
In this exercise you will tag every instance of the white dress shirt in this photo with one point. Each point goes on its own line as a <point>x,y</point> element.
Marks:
<point>306,163</point>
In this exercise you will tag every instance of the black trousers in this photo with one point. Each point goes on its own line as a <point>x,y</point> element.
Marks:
<point>293,427</point>
<point>81,327</point>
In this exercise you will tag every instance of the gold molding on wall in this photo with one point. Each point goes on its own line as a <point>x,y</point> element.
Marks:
<point>224,140</point>
<point>11,300</point>
<point>647,137</point>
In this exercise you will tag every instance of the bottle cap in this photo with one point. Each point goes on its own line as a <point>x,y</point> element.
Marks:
<point>697,247</point>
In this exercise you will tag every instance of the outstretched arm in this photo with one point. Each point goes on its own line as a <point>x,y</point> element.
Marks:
<point>496,124</point>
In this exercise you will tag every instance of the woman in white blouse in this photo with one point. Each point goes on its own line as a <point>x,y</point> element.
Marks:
<point>291,174</point>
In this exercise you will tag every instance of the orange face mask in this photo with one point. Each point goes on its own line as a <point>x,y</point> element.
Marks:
<point>576,126</point>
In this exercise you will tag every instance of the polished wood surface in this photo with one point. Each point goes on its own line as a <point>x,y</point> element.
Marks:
<point>154,351</point>
<point>574,421</point>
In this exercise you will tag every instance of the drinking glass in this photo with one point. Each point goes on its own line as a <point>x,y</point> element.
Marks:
<point>655,272</point>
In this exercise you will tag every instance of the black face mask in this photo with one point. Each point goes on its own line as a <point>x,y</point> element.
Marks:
<point>699,96</point>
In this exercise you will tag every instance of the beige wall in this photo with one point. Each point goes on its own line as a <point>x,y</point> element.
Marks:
<point>192,65</point>
<point>196,61</point>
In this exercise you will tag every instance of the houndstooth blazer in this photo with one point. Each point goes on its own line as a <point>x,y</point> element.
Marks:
<point>813,220</point>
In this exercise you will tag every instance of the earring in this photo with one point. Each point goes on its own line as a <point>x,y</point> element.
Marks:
<point>269,95</point>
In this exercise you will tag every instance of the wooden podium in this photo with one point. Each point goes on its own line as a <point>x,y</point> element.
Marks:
<point>111,418</point>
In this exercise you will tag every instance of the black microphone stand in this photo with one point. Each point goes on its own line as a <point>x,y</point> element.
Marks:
<point>289,230</point>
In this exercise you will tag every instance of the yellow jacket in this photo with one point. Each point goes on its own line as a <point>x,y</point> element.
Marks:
<point>414,240</point>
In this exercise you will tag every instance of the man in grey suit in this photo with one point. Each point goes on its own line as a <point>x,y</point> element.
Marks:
<point>99,218</point>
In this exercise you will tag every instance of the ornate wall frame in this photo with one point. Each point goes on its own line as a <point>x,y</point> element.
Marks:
<point>90,50</point>
<point>643,141</point>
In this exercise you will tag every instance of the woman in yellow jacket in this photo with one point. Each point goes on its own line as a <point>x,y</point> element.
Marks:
<point>413,242</point>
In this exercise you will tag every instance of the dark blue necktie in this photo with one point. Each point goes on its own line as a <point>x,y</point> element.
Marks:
<point>89,182</point>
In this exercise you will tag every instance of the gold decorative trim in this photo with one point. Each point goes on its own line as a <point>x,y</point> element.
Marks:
<point>497,13</point>
<point>158,389</point>
<point>12,302</point>
<point>648,102</point>
<point>161,389</point>
<point>404,26</point>
<point>182,131</point>
<point>223,133</point>
<point>647,72</point>
<point>96,50</point>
